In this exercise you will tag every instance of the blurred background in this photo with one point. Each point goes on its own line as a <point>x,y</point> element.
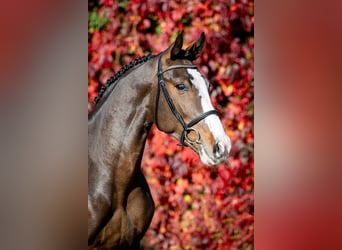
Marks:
<point>197,207</point>
<point>43,128</point>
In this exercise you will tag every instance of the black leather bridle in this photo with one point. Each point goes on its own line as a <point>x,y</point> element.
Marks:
<point>187,127</point>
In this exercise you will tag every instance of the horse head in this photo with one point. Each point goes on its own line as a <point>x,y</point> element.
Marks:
<point>183,105</point>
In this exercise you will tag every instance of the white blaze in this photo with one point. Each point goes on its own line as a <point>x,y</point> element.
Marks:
<point>212,121</point>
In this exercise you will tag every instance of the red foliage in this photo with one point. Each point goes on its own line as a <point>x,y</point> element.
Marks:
<point>196,207</point>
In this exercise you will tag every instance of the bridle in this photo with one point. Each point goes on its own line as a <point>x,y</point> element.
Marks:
<point>187,127</point>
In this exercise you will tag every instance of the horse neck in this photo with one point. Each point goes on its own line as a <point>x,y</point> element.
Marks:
<point>118,130</point>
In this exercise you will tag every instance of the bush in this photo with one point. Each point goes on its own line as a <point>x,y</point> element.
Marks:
<point>196,207</point>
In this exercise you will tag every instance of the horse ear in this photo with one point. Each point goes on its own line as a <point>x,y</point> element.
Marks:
<point>194,51</point>
<point>177,46</point>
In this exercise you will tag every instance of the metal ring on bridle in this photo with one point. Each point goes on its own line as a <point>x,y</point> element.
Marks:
<point>198,136</point>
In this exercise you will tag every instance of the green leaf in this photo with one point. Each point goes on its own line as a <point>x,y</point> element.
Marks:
<point>95,21</point>
<point>158,30</point>
<point>123,4</point>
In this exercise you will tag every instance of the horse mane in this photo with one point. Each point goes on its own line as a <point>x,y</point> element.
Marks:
<point>122,71</point>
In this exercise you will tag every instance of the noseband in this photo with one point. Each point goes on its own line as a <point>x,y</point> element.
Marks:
<point>187,127</point>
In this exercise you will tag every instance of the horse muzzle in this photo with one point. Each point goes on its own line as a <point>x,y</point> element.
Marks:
<point>217,155</point>
<point>210,153</point>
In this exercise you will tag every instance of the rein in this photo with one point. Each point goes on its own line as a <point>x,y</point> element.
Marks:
<point>187,127</point>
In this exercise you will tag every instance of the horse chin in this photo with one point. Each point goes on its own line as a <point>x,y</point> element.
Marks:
<point>200,149</point>
<point>205,157</point>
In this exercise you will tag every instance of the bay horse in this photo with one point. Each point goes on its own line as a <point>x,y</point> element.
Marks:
<point>166,89</point>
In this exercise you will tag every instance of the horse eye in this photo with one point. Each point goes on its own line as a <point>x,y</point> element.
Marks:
<point>181,86</point>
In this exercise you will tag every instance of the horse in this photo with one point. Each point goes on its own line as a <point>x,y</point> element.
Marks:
<point>167,90</point>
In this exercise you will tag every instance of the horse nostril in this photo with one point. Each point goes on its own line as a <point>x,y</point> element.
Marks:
<point>218,150</point>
